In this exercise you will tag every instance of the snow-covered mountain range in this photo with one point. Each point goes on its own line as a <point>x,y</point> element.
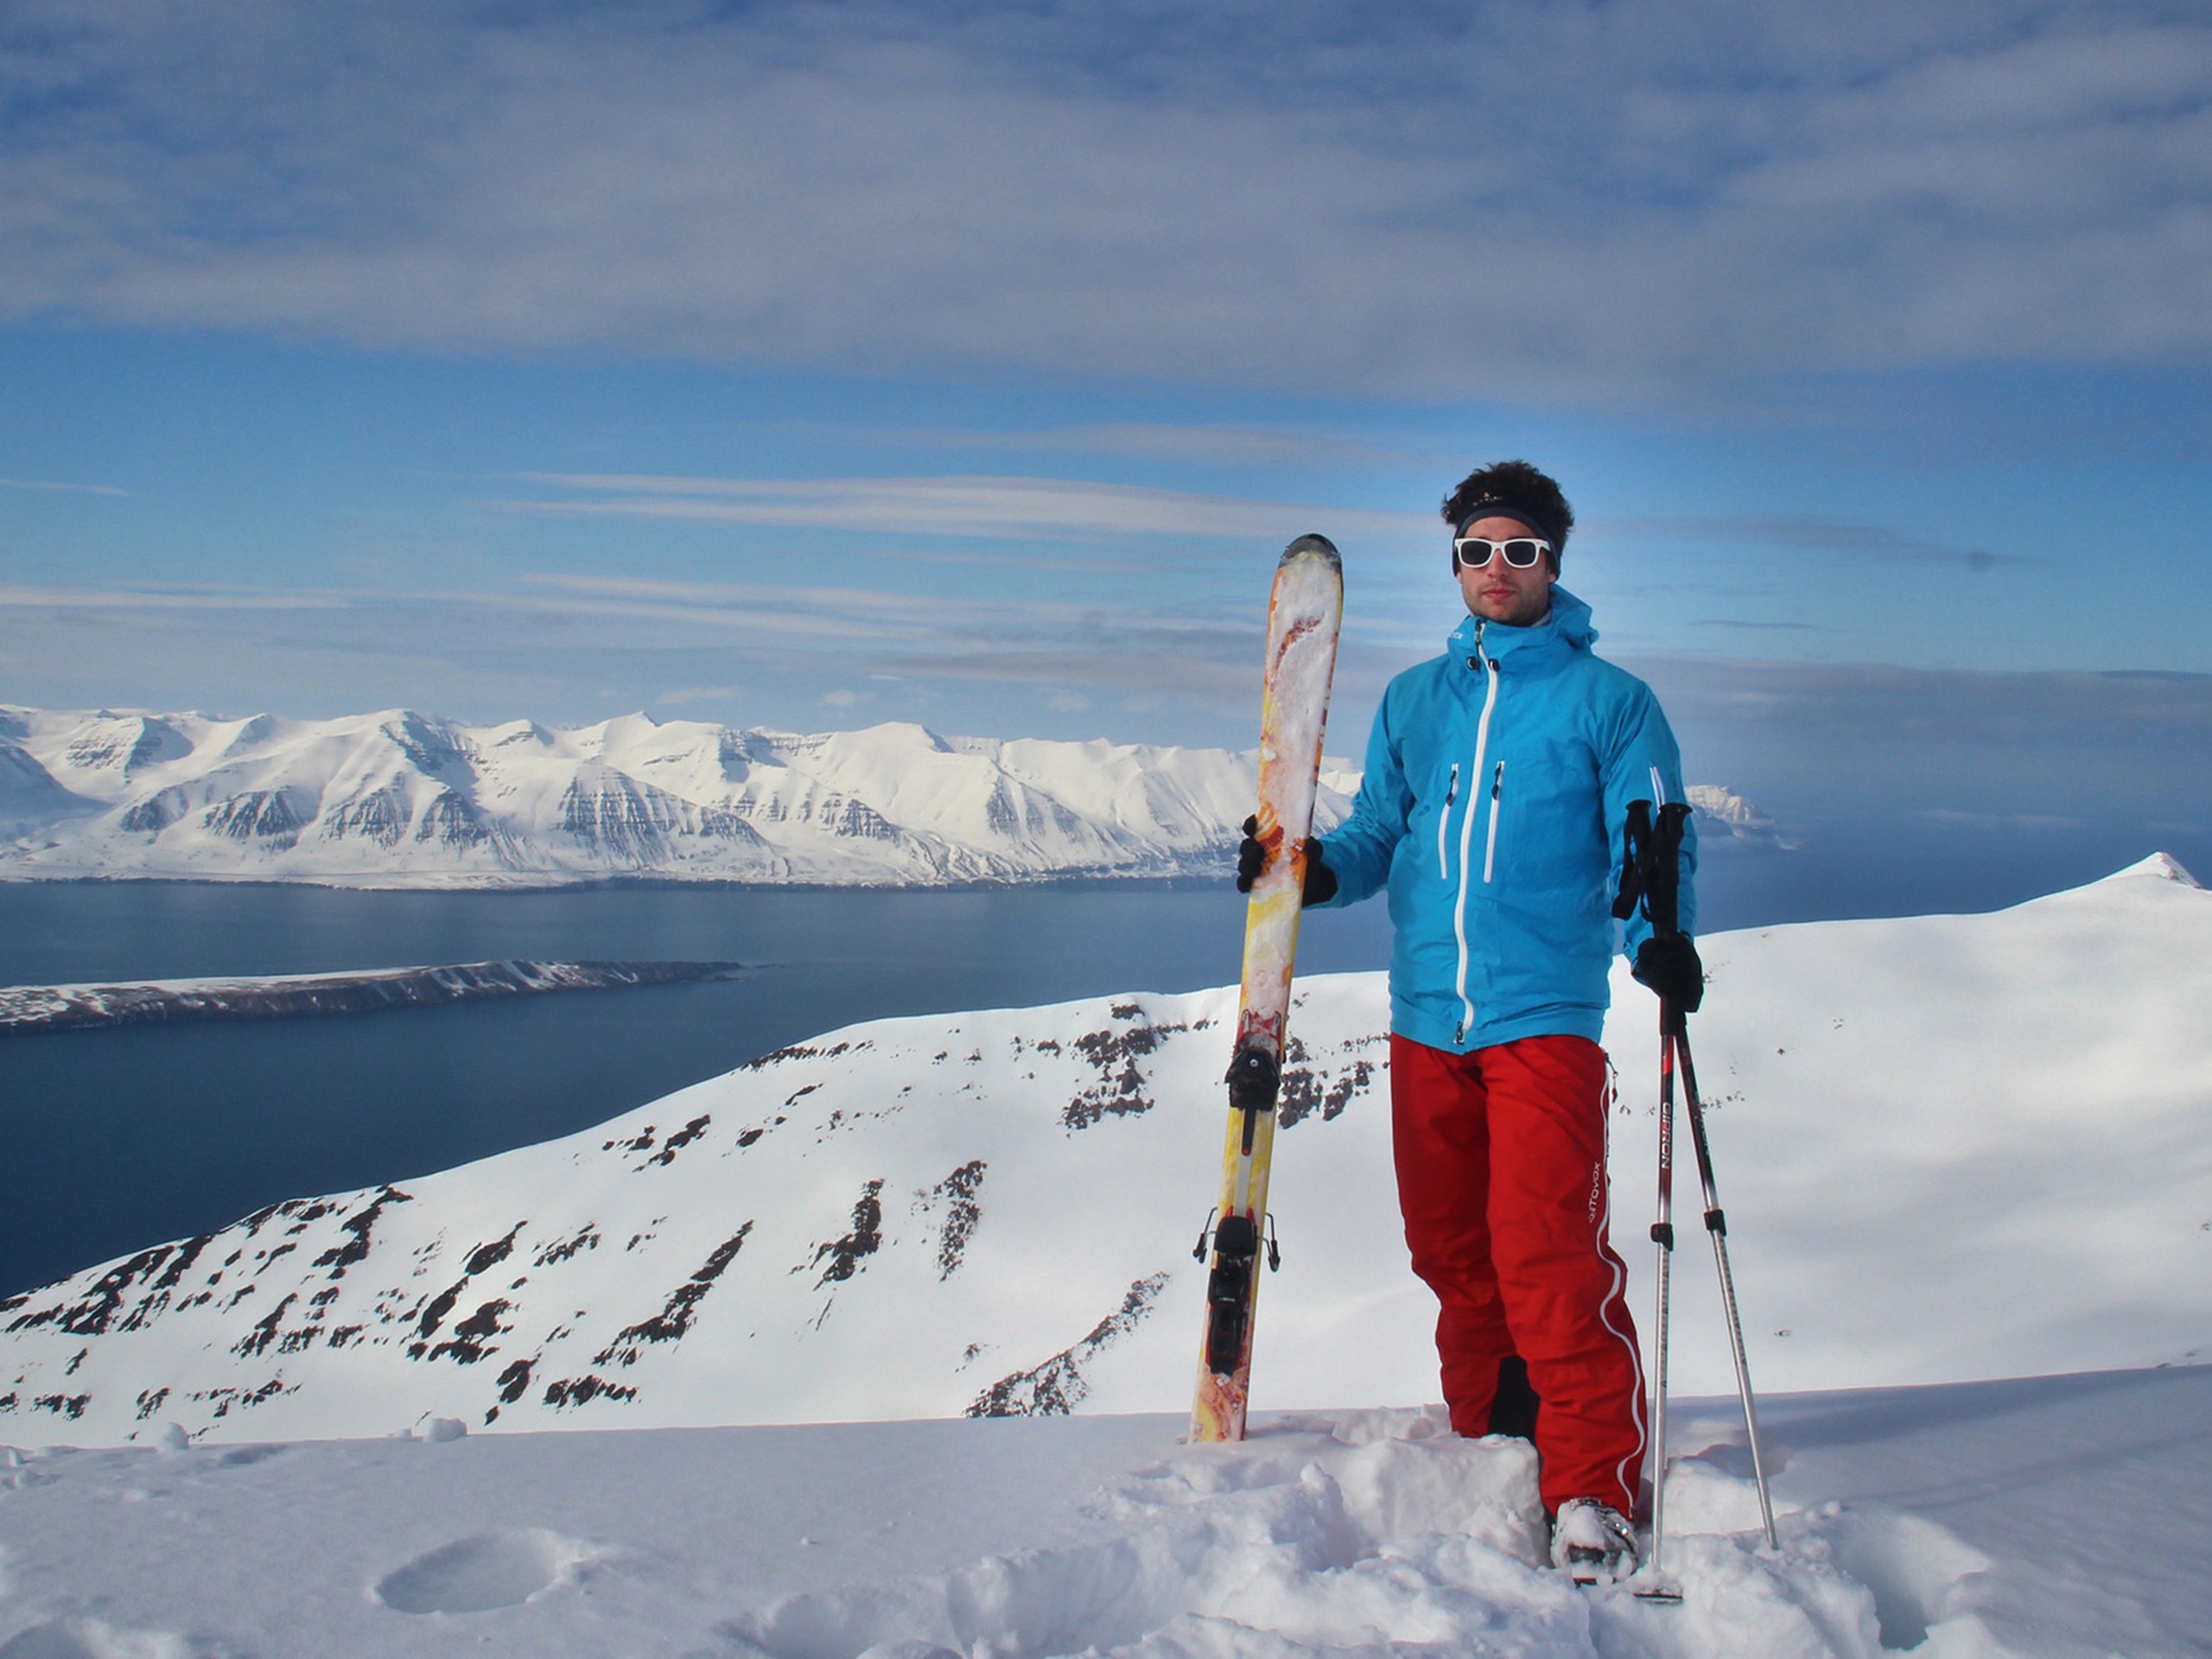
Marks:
<point>401,798</point>
<point>406,799</point>
<point>1950,1148</point>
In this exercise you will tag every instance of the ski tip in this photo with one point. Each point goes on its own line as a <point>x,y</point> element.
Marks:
<point>1310,547</point>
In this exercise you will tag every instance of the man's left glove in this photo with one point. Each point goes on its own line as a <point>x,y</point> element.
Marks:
<point>1252,858</point>
<point>1670,967</point>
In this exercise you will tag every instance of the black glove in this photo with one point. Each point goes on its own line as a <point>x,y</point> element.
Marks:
<point>1252,858</point>
<point>1669,966</point>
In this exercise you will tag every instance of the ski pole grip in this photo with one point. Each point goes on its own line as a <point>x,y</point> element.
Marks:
<point>1636,858</point>
<point>1663,882</point>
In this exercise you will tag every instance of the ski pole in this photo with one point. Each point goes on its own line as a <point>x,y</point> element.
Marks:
<point>1662,1235</point>
<point>1716,1224</point>
<point>1640,884</point>
<point>1651,874</point>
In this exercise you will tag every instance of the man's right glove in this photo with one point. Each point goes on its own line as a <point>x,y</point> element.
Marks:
<point>1670,965</point>
<point>1252,858</point>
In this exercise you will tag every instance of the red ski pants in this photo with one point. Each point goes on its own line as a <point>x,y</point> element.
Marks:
<point>1501,1158</point>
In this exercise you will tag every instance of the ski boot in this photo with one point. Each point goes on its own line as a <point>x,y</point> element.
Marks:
<point>1593,1542</point>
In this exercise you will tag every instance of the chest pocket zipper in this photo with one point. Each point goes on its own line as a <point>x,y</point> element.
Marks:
<point>1443,823</point>
<point>1490,843</point>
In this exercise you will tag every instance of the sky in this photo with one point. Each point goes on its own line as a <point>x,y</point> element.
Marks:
<point>812,365</point>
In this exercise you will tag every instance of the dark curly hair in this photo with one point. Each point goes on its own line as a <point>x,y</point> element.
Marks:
<point>1521,490</point>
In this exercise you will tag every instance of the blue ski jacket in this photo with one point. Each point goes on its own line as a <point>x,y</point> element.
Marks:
<point>1494,805</point>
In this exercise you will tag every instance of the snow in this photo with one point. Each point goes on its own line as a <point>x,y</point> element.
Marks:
<point>399,798</point>
<point>1985,1520</point>
<point>1952,1149</point>
<point>1949,1148</point>
<point>402,799</point>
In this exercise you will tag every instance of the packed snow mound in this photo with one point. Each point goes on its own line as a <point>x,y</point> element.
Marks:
<point>400,798</point>
<point>1948,1147</point>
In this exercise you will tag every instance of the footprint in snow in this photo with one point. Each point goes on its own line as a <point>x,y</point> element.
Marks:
<point>474,1575</point>
<point>87,1639</point>
<point>250,1454</point>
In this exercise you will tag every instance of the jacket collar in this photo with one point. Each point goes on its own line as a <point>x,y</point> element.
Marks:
<point>1568,628</point>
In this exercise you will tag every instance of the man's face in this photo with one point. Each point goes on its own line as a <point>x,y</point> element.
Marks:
<point>1497,592</point>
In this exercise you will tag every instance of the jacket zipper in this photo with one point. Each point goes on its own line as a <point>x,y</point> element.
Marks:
<point>1467,830</point>
<point>1443,823</point>
<point>1490,851</point>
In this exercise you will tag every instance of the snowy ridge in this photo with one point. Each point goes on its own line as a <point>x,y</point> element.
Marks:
<point>399,798</point>
<point>1727,819</point>
<point>1950,1148</point>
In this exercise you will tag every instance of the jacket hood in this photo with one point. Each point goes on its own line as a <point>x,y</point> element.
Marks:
<point>1568,624</point>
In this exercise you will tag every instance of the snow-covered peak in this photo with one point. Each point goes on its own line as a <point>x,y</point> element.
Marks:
<point>2162,866</point>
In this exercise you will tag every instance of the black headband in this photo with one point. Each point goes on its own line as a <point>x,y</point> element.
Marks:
<point>1506,506</point>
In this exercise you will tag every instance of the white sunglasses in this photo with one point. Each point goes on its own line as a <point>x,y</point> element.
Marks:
<point>1522,552</point>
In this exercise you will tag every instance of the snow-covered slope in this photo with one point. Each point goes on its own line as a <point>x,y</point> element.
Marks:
<point>1950,1148</point>
<point>2011,1520</point>
<point>406,799</point>
<point>402,799</point>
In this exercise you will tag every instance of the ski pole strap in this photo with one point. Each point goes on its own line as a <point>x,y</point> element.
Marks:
<point>1663,880</point>
<point>1635,859</point>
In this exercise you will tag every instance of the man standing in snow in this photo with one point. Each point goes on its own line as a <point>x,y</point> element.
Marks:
<point>1493,807</point>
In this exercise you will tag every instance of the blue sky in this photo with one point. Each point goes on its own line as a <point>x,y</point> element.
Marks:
<point>812,364</point>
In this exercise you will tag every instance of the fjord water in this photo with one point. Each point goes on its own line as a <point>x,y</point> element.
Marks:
<point>117,1139</point>
<point>114,1141</point>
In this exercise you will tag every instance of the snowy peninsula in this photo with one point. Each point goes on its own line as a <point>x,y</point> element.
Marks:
<point>402,799</point>
<point>28,1009</point>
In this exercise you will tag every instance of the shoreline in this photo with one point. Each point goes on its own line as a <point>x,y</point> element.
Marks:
<point>42,1010</point>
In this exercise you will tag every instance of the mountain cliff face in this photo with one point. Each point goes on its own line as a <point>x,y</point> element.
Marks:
<point>402,799</point>
<point>1949,1147</point>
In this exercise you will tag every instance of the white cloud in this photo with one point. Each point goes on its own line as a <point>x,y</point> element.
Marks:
<point>1802,535</point>
<point>1226,446</point>
<point>690,694</point>
<point>62,598</point>
<point>1526,200</point>
<point>542,628</point>
<point>955,506</point>
<point>65,489</point>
